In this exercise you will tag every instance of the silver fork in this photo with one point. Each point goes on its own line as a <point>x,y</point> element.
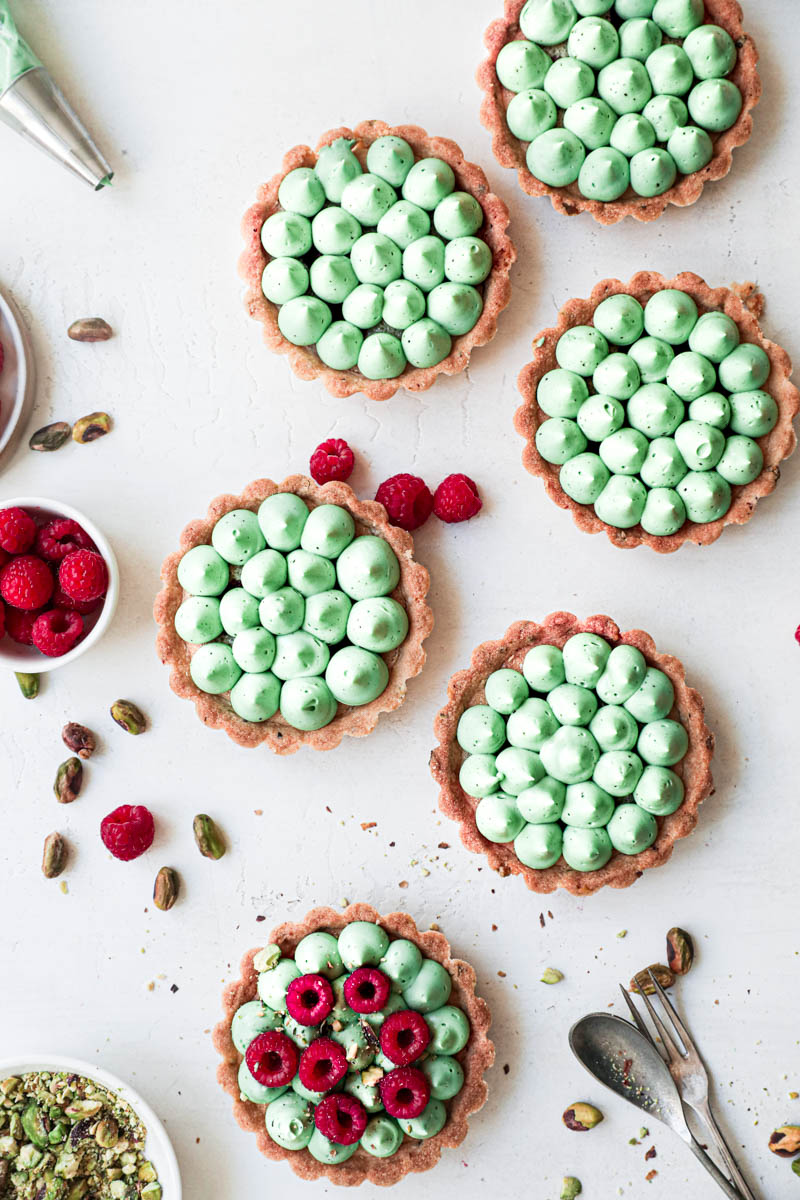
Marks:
<point>688,1070</point>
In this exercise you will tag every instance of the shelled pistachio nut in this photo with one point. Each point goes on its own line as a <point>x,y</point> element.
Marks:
<point>581,1117</point>
<point>69,779</point>
<point>166,888</point>
<point>54,857</point>
<point>50,437</point>
<point>680,951</point>
<point>90,329</point>
<point>785,1141</point>
<point>641,982</point>
<point>210,841</point>
<point>79,739</point>
<point>570,1187</point>
<point>551,975</point>
<point>266,959</point>
<point>91,427</point>
<point>129,716</point>
<point>28,684</point>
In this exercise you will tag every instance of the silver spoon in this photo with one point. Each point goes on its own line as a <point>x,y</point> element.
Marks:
<point>623,1060</point>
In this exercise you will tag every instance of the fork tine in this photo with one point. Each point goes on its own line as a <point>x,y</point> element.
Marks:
<point>640,1025</point>
<point>683,1032</point>
<point>669,1045</point>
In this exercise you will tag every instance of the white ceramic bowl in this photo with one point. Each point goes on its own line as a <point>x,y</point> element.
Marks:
<point>158,1146</point>
<point>17,379</point>
<point>28,658</point>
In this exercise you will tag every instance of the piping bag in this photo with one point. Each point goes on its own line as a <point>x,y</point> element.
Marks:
<point>32,105</point>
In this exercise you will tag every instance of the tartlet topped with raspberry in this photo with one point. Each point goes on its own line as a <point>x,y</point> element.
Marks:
<point>293,614</point>
<point>377,261</point>
<point>354,1046</point>
<point>572,754</point>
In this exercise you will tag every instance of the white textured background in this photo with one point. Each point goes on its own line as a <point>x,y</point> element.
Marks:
<point>195,104</point>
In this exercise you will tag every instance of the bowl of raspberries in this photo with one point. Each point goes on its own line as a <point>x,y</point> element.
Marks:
<point>59,584</point>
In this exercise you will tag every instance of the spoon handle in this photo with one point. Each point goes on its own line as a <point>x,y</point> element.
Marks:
<point>730,1191</point>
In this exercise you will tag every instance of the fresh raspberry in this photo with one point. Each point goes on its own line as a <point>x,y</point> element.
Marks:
<point>4,557</point>
<point>2,356</point>
<point>309,999</point>
<point>332,460</point>
<point>58,538</point>
<point>322,1065</point>
<point>797,635</point>
<point>341,1118</point>
<point>272,1059</point>
<point>404,1036</point>
<point>19,625</point>
<point>26,582</point>
<point>62,600</point>
<point>56,631</point>
<point>17,530</point>
<point>83,575</point>
<point>2,619</point>
<point>407,500</point>
<point>456,499</point>
<point>128,831</point>
<point>367,990</point>
<point>405,1092</point>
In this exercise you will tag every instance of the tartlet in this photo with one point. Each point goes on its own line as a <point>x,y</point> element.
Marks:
<point>403,661</point>
<point>474,1058</point>
<point>743,305</point>
<point>496,289</point>
<point>620,870</point>
<point>568,200</point>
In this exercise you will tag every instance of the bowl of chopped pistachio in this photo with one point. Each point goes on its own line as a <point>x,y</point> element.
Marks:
<point>69,1129</point>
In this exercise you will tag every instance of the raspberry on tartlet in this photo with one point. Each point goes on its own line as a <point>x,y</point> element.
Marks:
<point>272,1059</point>
<point>323,1064</point>
<point>405,1092</point>
<point>309,999</point>
<point>342,1119</point>
<point>404,1037</point>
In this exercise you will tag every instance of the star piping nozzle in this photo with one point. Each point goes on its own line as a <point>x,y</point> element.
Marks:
<point>32,104</point>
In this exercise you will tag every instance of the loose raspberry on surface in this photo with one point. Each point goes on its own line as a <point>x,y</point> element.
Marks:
<point>83,575</point>
<point>456,499</point>
<point>19,625</point>
<point>367,990</point>
<point>405,1092</point>
<point>56,631</point>
<point>322,1065</point>
<point>60,599</point>
<point>341,1119</point>
<point>272,1059</point>
<point>309,999</point>
<point>407,500</point>
<point>404,1036</point>
<point>17,530</point>
<point>332,459</point>
<point>26,582</point>
<point>61,537</point>
<point>128,831</point>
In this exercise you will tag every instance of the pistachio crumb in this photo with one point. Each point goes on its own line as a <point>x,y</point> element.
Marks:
<point>622,933</point>
<point>551,975</point>
<point>64,886</point>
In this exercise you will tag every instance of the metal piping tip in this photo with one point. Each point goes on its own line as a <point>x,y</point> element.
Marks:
<point>38,110</point>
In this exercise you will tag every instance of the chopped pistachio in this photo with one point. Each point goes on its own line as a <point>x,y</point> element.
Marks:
<point>551,975</point>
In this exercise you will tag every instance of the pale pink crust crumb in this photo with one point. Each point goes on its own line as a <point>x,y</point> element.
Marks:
<point>404,663</point>
<point>510,151</point>
<point>304,360</point>
<point>467,688</point>
<point>744,305</point>
<point>475,1058</point>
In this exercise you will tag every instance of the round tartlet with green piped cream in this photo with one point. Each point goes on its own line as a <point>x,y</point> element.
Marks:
<point>572,754</point>
<point>354,1046</point>
<point>378,260</point>
<point>657,411</point>
<point>293,614</point>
